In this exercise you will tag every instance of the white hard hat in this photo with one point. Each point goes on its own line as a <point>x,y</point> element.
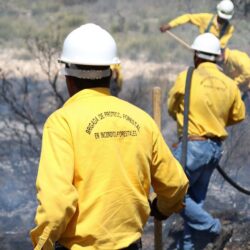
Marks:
<point>89,45</point>
<point>225,9</point>
<point>207,46</point>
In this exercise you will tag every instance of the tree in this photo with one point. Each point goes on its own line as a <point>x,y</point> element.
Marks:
<point>26,101</point>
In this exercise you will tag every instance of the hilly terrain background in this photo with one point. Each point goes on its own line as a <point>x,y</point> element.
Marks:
<point>31,36</point>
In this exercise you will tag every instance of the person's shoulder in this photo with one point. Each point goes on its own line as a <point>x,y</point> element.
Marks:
<point>208,14</point>
<point>211,70</point>
<point>205,14</point>
<point>201,13</point>
<point>55,118</point>
<point>226,79</point>
<point>182,74</point>
<point>238,54</point>
<point>134,110</point>
<point>129,106</point>
<point>180,80</point>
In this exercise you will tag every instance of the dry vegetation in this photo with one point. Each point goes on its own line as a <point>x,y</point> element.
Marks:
<point>31,34</point>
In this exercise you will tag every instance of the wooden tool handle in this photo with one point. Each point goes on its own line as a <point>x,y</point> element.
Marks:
<point>157,117</point>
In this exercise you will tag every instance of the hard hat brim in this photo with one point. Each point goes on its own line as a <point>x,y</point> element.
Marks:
<point>225,16</point>
<point>95,63</point>
<point>198,49</point>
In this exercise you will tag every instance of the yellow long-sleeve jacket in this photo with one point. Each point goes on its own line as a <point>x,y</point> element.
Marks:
<point>202,21</point>
<point>237,66</point>
<point>99,157</point>
<point>117,74</point>
<point>215,102</point>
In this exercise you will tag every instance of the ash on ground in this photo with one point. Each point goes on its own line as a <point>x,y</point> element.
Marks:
<point>172,228</point>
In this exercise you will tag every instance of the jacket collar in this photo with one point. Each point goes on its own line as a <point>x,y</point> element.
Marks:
<point>209,65</point>
<point>88,93</point>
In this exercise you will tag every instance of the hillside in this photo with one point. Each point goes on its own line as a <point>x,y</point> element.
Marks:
<point>135,24</point>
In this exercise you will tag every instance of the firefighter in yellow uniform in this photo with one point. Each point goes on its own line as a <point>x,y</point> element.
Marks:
<point>236,65</point>
<point>215,102</point>
<point>218,25</point>
<point>99,157</point>
<point>116,79</point>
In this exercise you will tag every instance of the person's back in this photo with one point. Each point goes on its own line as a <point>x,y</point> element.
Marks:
<point>211,90</point>
<point>100,155</point>
<point>113,150</point>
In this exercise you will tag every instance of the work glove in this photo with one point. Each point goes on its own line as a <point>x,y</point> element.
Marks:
<point>245,95</point>
<point>59,247</point>
<point>165,27</point>
<point>155,212</point>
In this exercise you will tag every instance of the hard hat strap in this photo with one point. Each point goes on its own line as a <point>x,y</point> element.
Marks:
<point>224,29</point>
<point>210,24</point>
<point>86,74</point>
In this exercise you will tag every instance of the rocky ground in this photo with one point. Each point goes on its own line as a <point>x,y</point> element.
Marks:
<point>223,202</point>
<point>240,239</point>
